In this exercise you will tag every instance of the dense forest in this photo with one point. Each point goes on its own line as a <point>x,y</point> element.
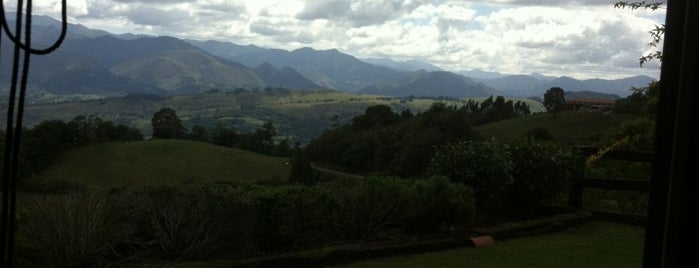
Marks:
<point>402,143</point>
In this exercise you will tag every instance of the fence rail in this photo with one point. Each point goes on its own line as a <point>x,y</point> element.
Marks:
<point>575,195</point>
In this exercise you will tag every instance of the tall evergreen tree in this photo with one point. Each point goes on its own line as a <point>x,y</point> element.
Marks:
<point>554,100</point>
<point>166,124</point>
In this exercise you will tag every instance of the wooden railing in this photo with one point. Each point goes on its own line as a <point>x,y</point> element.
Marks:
<point>575,195</point>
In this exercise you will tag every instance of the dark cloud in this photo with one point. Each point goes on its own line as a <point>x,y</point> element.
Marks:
<point>147,15</point>
<point>227,8</point>
<point>579,56</point>
<point>303,38</point>
<point>377,12</point>
<point>359,13</point>
<point>612,43</point>
<point>325,10</point>
<point>152,1</point>
<point>266,30</point>
<point>101,9</point>
<point>505,35</point>
<point>578,3</point>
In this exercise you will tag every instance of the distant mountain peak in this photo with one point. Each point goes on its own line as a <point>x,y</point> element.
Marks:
<point>542,76</point>
<point>431,84</point>
<point>407,65</point>
<point>286,77</point>
<point>528,86</point>
<point>480,74</point>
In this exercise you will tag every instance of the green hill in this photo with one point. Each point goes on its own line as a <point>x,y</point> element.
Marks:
<point>138,164</point>
<point>300,114</point>
<point>186,70</point>
<point>568,126</point>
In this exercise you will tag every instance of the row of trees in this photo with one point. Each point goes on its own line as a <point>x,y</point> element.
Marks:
<point>42,143</point>
<point>167,125</point>
<point>492,110</point>
<point>385,142</point>
<point>643,101</point>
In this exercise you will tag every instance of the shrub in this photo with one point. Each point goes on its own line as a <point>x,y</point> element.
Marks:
<point>301,170</point>
<point>541,172</point>
<point>485,166</point>
<point>507,177</point>
<point>373,209</point>
<point>292,216</point>
<point>178,224</point>
<point>76,229</point>
<point>635,135</point>
<point>539,134</point>
<point>204,220</point>
<point>51,186</point>
<point>437,201</point>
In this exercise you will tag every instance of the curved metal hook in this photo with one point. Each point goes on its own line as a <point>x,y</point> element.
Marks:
<point>54,46</point>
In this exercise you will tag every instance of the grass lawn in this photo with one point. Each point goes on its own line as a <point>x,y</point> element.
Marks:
<point>568,126</point>
<point>138,164</point>
<point>594,244</point>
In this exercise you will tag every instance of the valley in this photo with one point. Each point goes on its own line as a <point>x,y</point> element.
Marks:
<point>299,114</point>
<point>170,149</point>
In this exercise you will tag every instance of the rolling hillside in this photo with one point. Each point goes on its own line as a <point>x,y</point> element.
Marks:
<point>573,127</point>
<point>286,77</point>
<point>328,68</point>
<point>534,85</point>
<point>408,65</point>
<point>186,70</point>
<point>300,114</point>
<point>138,164</point>
<point>423,83</point>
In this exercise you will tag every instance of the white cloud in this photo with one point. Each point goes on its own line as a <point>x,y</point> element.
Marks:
<point>578,38</point>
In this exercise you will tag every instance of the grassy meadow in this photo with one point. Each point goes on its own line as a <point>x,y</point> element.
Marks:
<point>245,220</point>
<point>300,114</point>
<point>134,165</point>
<point>594,244</point>
<point>571,127</point>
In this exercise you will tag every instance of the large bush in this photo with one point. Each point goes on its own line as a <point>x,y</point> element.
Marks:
<point>204,220</point>
<point>507,177</point>
<point>288,217</point>
<point>541,171</point>
<point>485,166</point>
<point>376,141</point>
<point>176,225</point>
<point>198,220</point>
<point>437,201</point>
<point>374,208</point>
<point>382,206</point>
<point>75,230</point>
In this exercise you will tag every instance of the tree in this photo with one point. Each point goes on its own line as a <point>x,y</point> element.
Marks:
<point>554,100</point>
<point>263,139</point>
<point>199,133</point>
<point>282,149</point>
<point>166,124</point>
<point>656,34</point>
<point>224,136</point>
<point>376,116</point>
<point>301,170</point>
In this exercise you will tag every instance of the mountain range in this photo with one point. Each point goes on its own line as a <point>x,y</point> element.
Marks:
<point>529,85</point>
<point>97,62</point>
<point>407,65</point>
<point>424,83</point>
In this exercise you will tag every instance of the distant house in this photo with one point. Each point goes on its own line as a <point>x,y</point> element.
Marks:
<point>590,105</point>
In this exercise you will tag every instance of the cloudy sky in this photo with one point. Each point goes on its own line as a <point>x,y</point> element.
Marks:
<point>583,39</point>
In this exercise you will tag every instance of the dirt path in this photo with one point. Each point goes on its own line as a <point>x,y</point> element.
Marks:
<point>335,172</point>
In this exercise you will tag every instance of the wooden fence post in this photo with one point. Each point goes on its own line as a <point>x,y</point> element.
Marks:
<point>575,195</point>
